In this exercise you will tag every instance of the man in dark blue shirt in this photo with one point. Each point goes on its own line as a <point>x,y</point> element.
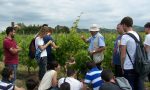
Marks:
<point>49,48</point>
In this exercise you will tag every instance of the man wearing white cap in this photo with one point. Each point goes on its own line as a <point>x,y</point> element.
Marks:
<point>97,45</point>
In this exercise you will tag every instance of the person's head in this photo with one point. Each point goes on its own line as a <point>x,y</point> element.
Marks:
<point>32,83</point>
<point>43,31</point>
<point>120,29</point>
<point>45,25</point>
<point>70,72</point>
<point>50,31</point>
<point>65,86</point>
<point>147,28</point>
<point>126,22</point>
<point>7,73</point>
<point>107,75</point>
<point>10,31</point>
<point>90,64</point>
<point>53,65</point>
<point>94,29</point>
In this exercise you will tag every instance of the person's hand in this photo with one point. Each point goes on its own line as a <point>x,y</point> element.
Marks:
<point>82,37</point>
<point>50,42</point>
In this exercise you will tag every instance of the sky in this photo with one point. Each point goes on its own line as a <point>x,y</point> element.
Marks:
<point>105,13</point>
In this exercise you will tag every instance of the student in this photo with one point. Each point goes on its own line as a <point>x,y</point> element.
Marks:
<point>74,83</point>
<point>128,49</point>
<point>49,80</point>
<point>147,41</point>
<point>7,76</point>
<point>93,76</point>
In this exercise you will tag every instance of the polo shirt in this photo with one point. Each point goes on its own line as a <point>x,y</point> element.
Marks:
<point>10,58</point>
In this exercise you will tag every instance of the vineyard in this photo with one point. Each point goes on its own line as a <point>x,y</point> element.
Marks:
<point>70,45</point>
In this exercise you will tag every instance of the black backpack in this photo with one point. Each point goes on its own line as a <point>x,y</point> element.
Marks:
<point>141,63</point>
<point>32,49</point>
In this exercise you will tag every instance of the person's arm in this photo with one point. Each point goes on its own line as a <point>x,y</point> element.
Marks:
<point>123,54</point>
<point>147,48</point>
<point>83,38</point>
<point>15,50</point>
<point>54,80</point>
<point>43,47</point>
<point>17,88</point>
<point>54,45</point>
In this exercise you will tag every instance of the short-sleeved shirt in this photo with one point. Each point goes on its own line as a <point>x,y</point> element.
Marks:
<point>46,39</point>
<point>74,83</point>
<point>10,58</point>
<point>147,42</point>
<point>94,77</point>
<point>39,42</point>
<point>6,86</point>
<point>116,52</point>
<point>100,41</point>
<point>129,42</point>
<point>109,86</point>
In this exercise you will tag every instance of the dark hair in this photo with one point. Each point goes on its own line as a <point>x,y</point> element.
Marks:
<point>90,64</point>
<point>107,75</point>
<point>45,25</point>
<point>127,21</point>
<point>52,65</point>
<point>147,25</point>
<point>6,72</point>
<point>65,86</point>
<point>70,72</point>
<point>9,29</point>
<point>31,83</point>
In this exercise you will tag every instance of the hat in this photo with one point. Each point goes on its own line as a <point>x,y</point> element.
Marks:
<point>94,27</point>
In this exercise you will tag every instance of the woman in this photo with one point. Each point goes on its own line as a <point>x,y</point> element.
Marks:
<point>39,44</point>
<point>49,81</point>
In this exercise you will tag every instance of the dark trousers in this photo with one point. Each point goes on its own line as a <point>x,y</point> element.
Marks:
<point>135,81</point>
<point>42,67</point>
<point>118,71</point>
<point>99,65</point>
<point>149,77</point>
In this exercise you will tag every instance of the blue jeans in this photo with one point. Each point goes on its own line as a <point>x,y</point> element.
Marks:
<point>135,81</point>
<point>42,67</point>
<point>14,67</point>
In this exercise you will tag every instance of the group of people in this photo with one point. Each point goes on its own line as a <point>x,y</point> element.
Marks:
<point>96,77</point>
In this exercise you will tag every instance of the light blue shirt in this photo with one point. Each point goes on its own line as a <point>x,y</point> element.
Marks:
<point>101,42</point>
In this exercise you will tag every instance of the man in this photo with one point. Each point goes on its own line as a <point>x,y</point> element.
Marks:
<point>49,48</point>
<point>109,81</point>
<point>93,76</point>
<point>147,41</point>
<point>74,83</point>
<point>128,48</point>
<point>11,50</point>
<point>116,53</point>
<point>97,45</point>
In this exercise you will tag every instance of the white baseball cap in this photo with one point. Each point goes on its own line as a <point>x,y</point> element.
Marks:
<point>94,27</point>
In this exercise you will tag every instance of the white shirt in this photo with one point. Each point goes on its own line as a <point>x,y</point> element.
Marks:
<point>131,48</point>
<point>38,42</point>
<point>46,81</point>
<point>147,42</point>
<point>74,83</point>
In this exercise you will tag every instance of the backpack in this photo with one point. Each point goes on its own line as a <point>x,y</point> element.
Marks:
<point>32,49</point>
<point>141,63</point>
<point>123,83</point>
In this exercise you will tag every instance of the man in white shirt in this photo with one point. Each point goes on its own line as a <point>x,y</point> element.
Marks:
<point>128,45</point>
<point>147,41</point>
<point>74,83</point>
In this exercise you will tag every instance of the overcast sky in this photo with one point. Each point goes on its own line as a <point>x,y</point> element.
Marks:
<point>105,13</point>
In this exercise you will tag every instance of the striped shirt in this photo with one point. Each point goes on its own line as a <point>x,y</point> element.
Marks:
<point>6,86</point>
<point>94,77</point>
